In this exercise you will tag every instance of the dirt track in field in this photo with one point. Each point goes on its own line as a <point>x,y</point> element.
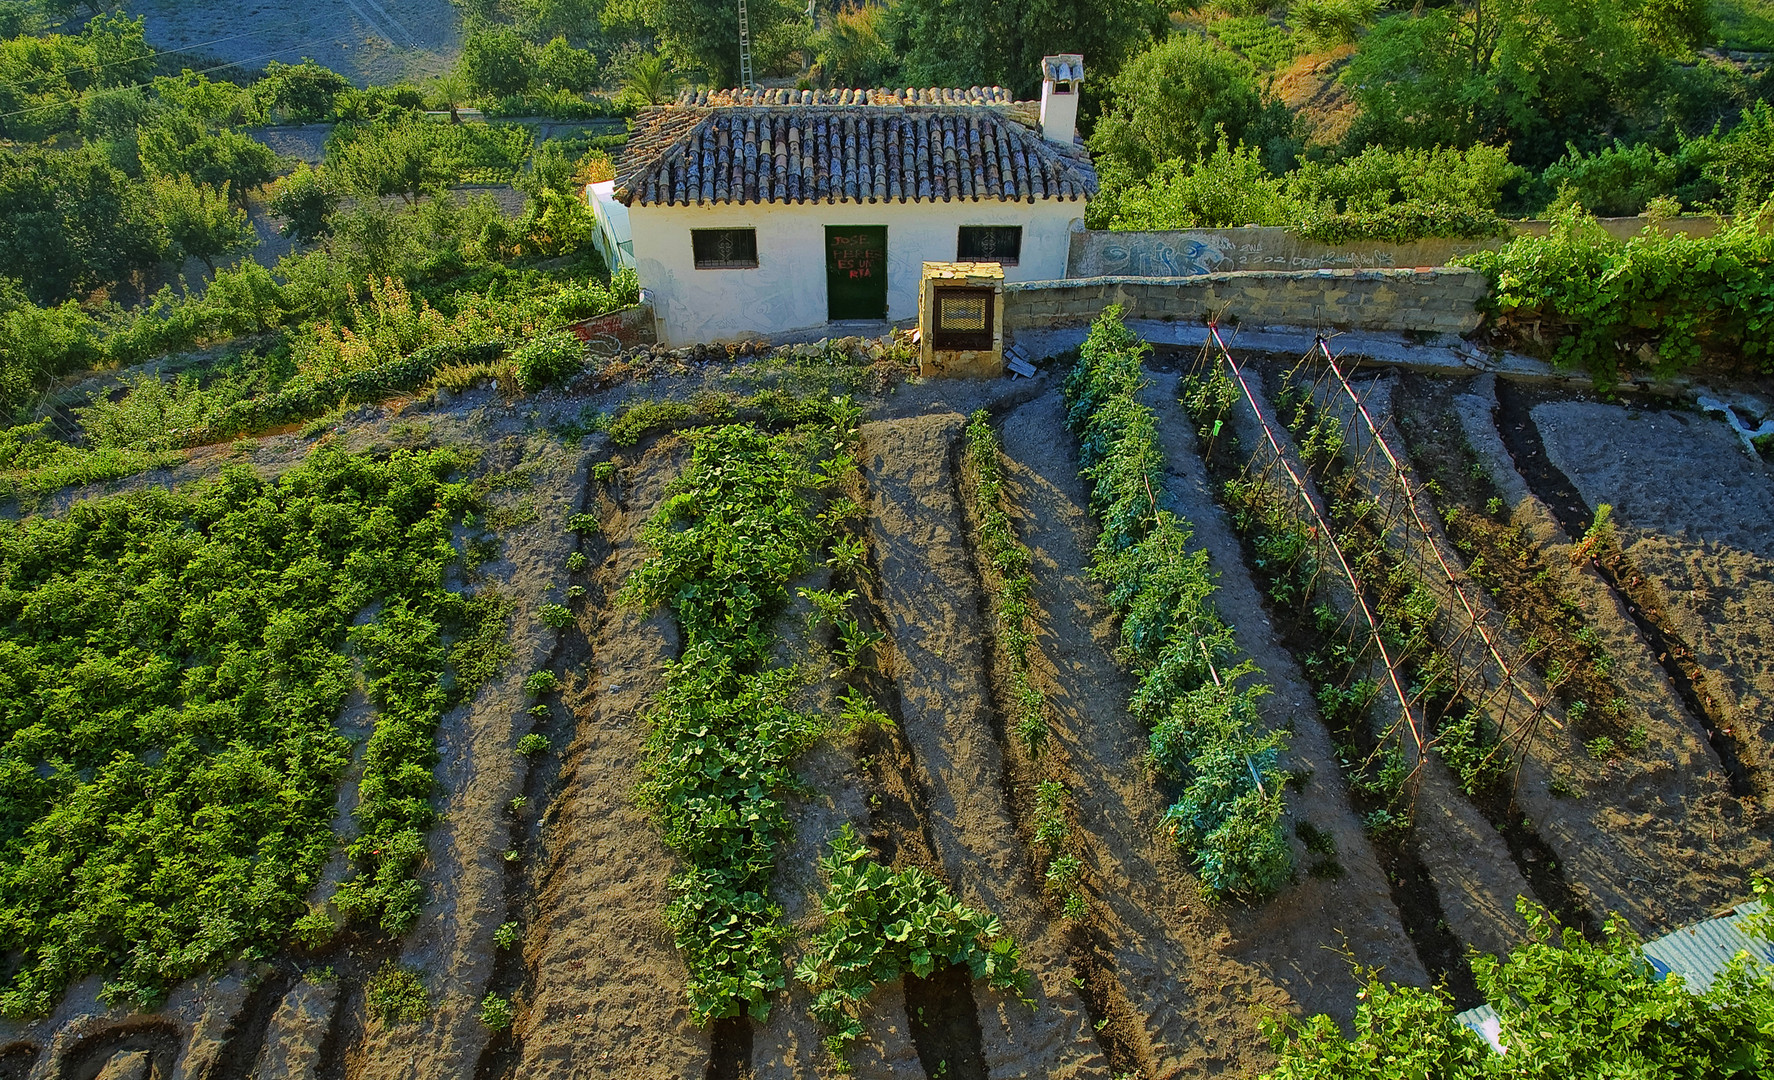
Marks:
<point>597,983</point>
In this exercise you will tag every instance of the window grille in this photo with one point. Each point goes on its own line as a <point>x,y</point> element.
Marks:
<point>724,249</point>
<point>1002,244</point>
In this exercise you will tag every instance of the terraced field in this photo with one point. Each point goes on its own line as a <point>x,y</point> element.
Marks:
<point>1062,727</point>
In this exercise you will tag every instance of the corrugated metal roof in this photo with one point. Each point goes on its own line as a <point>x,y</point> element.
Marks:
<point>1698,953</point>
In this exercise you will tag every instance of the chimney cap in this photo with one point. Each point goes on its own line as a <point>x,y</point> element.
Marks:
<point>1066,67</point>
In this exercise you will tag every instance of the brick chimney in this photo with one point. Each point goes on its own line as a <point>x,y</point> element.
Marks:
<point>1062,77</point>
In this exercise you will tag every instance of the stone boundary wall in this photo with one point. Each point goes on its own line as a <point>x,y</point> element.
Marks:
<point>1441,300</point>
<point>1184,253</point>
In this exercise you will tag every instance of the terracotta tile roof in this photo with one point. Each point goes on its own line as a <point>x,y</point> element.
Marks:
<point>764,146</point>
<point>977,95</point>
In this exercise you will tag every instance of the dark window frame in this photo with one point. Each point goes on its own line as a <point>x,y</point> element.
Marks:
<point>700,237</point>
<point>984,232</point>
<point>963,339</point>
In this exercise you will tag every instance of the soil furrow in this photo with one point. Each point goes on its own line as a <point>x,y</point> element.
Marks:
<point>1701,855</point>
<point>1574,868</point>
<point>605,993</point>
<point>1451,873</point>
<point>1705,690</point>
<point>1306,938</point>
<point>930,600</point>
<point>1150,935</point>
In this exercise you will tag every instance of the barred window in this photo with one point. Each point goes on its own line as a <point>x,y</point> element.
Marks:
<point>1001,244</point>
<point>724,249</point>
<point>963,318</point>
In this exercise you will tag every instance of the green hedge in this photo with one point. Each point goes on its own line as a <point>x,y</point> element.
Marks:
<point>1581,298</point>
<point>1206,733</point>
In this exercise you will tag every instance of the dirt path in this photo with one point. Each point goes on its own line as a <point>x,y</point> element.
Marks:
<point>606,987</point>
<point>932,602</point>
<point>1166,944</point>
<point>1298,938</point>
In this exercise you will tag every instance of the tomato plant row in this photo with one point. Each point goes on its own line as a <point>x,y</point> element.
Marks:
<point>1206,730</point>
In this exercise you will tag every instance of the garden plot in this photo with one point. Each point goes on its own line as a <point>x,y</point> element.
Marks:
<point>548,885</point>
<point>1639,749</point>
<point>1696,517</point>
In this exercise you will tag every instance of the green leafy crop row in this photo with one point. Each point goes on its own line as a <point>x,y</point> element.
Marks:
<point>738,526</point>
<point>171,668</point>
<point>1011,583</point>
<point>1009,562</point>
<point>881,924</point>
<point>1206,735</point>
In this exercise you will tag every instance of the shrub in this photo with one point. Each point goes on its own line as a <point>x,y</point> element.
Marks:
<point>1567,1007</point>
<point>1595,301</point>
<point>549,359</point>
<point>395,995</point>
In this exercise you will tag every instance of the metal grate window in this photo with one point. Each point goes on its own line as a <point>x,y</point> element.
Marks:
<point>724,249</point>
<point>963,319</point>
<point>1002,244</point>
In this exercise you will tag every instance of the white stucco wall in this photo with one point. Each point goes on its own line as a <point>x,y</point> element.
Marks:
<point>786,291</point>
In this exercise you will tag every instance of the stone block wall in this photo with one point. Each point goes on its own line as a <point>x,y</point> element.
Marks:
<point>1182,252</point>
<point>1441,300</point>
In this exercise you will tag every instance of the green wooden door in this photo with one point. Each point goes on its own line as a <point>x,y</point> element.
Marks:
<point>856,271</point>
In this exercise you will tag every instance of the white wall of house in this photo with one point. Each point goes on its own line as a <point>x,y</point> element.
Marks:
<point>786,291</point>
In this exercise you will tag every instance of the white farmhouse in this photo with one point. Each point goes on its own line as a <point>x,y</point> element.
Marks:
<point>762,212</point>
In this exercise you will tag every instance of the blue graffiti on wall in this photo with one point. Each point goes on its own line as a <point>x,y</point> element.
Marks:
<point>1166,255</point>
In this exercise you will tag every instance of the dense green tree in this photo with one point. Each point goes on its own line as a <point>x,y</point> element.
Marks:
<point>559,66</point>
<point>42,79</point>
<point>177,144</point>
<point>222,103</point>
<point>978,42</point>
<point>200,221</point>
<point>497,61</point>
<point>407,158</point>
<point>1741,163</point>
<point>704,34</point>
<point>70,222</point>
<point>1169,102</point>
<point>300,93</point>
<point>1537,74</point>
<point>305,199</point>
